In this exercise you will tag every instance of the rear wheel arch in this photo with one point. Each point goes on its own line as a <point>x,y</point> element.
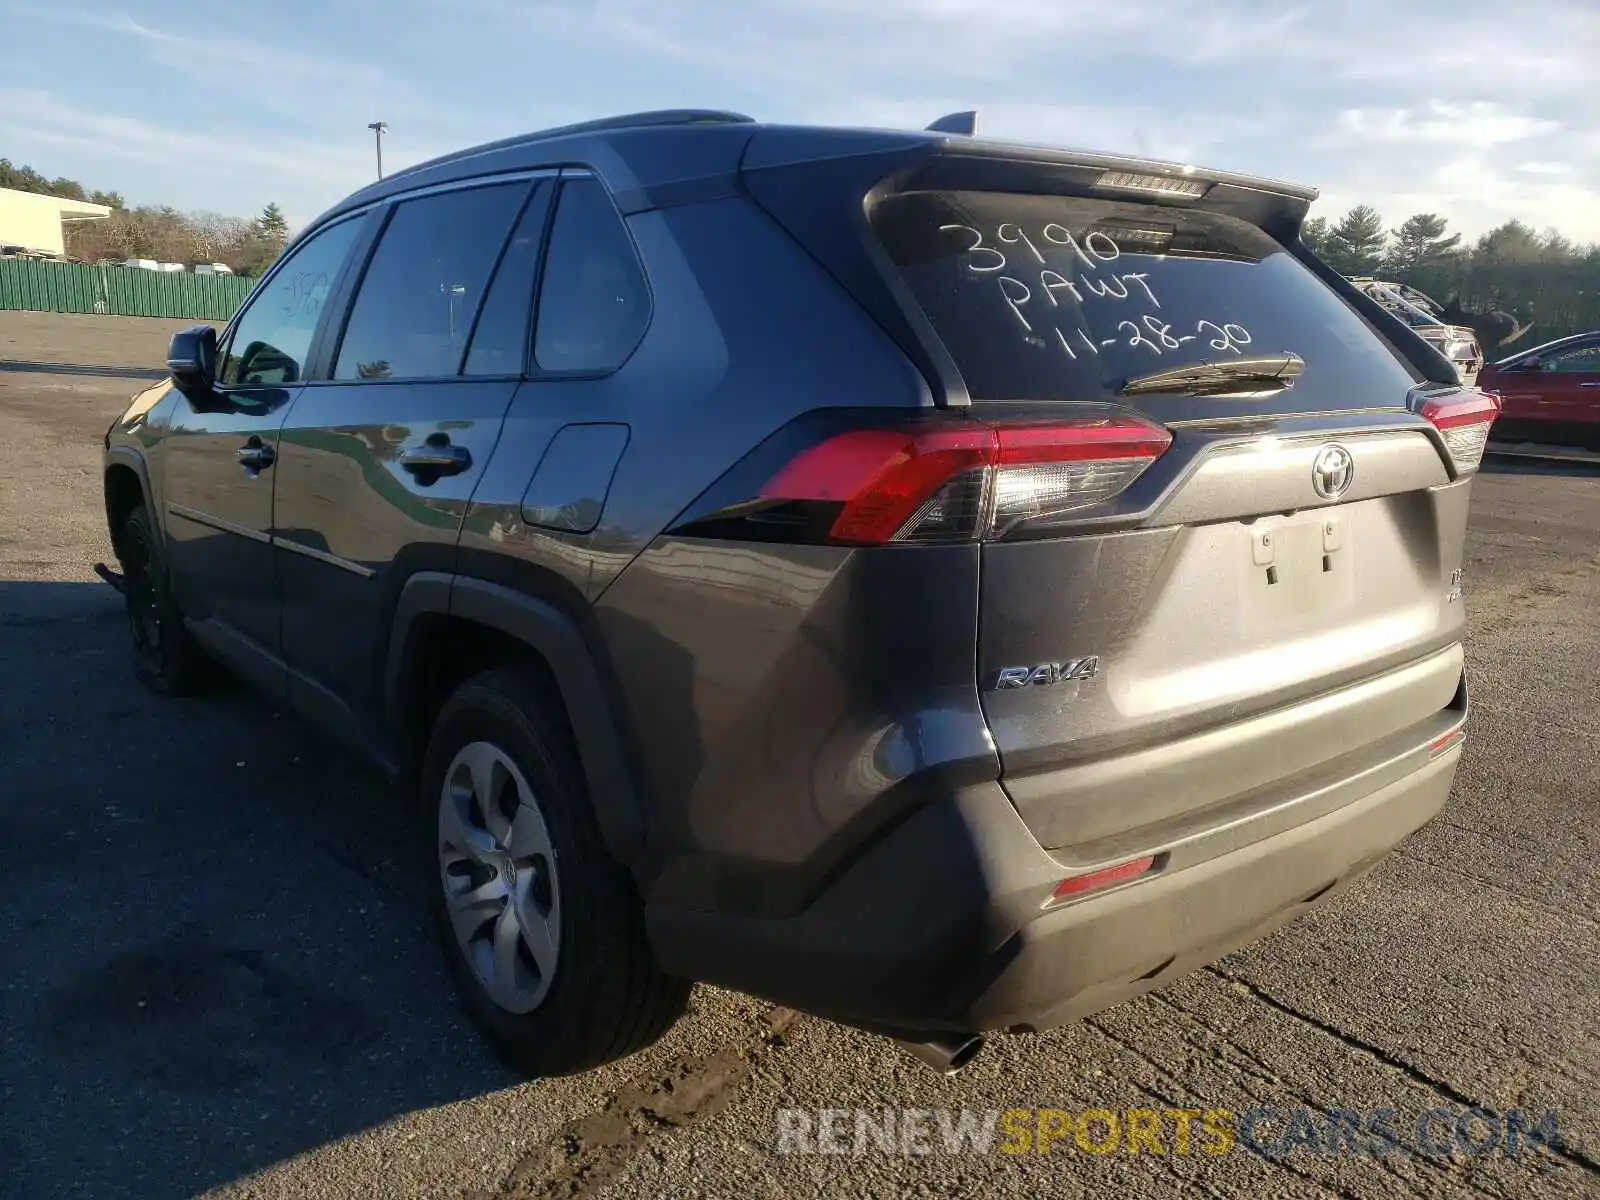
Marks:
<point>448,628</point>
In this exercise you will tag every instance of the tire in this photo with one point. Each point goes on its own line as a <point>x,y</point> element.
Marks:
<point>166,658</point>
<point>592,992</point>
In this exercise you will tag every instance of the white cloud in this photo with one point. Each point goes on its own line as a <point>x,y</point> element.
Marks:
<point>1479,194</point>
<point>305,177</point>
<point>799,49</point>
<point>216,55</point>
<point>1474,108</point>
<point>1473,123</point>
<point>1477,48</point>
<point>1146,130</point>
<point>1367,99</point>
<point>273,69</point>
<point>46,116</point>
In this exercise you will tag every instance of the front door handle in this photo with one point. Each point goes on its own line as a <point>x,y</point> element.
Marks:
<point>255,455</point>
<point>1590,384</point>
<point>436,456</point>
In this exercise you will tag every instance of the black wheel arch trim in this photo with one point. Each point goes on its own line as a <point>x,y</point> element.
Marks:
<point>126,456</point>
<point>558,640</point>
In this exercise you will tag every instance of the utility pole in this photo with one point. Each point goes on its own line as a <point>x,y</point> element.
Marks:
<point>379,128</point>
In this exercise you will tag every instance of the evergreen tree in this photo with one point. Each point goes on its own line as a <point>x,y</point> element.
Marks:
<point>1513,242</point>
<point>1314,233</point>
<point>273,226</point>
<point>1355,245</point>
<point>1420,241</point>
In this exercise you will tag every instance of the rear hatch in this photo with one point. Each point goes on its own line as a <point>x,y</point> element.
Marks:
<point>1217,621</point>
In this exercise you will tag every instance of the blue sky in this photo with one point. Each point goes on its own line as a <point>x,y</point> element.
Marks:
<point>1479,111</point>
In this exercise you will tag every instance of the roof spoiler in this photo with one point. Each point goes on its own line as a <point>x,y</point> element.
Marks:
<point>1141,171</point>
<point>950,154</point>
<point>820,185</point>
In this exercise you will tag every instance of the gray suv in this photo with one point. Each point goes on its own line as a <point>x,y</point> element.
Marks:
<point>941,585</point>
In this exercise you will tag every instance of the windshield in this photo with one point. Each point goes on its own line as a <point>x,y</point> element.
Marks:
<point>1067,298</point>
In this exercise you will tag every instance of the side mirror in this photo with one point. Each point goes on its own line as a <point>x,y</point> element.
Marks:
<point>192,359</point>
<point>1531,363</point>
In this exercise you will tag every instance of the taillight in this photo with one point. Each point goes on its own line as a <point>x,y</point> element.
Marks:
<point>1463,420</point>
<point>890,484</point>
<point>1045,471</point>
<point>932,481</point>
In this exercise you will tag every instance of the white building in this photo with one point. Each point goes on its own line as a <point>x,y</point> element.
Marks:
<point>37,223</point>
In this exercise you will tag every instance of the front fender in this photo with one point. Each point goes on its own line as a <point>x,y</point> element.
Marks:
<point>124,456</point>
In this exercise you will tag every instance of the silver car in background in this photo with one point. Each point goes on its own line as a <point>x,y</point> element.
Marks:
<point>1456,342</point>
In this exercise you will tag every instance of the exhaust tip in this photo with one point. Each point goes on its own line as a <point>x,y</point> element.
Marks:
<point>946,1055</point>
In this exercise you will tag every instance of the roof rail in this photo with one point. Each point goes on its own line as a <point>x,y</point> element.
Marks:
<point>639,120</point>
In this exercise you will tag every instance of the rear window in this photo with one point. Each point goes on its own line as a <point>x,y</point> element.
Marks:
<point>1066,298</point>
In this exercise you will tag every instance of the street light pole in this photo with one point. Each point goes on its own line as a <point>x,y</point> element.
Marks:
<point>379,128</point>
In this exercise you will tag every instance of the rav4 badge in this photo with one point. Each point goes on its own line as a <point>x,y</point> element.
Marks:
<point>1045,674</point>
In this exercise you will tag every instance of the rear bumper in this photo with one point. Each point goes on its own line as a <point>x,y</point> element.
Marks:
<point>1088,957</point>
<point>939,927</point>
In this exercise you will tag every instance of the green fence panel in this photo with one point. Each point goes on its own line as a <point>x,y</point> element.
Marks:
<point>35,285</point>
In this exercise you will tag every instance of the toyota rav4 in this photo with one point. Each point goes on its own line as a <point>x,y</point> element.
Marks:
<point>942,585</point>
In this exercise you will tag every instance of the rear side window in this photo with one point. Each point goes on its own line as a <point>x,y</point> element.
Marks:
<point>416,305</point>
<point>594,302</point>
<point>1066,298</point>
<point>500,341</point>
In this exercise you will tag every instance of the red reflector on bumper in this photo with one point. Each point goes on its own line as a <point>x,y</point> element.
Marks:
<point>1076,885</point>
<point>1443,742</point>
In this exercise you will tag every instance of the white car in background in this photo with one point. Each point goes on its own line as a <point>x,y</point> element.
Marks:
<point>1456,342</point>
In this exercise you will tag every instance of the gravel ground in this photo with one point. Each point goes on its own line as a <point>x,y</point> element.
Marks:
<point>218,978</point>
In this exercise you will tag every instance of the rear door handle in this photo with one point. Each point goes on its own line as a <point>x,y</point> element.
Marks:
<point>255,455</point>
<point>1591,384</point>
<point>436,457</point>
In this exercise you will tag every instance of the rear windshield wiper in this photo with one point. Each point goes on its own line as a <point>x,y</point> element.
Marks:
<point>1223,377</point>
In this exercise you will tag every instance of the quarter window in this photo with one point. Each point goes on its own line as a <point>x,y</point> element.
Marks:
<point>594,302</point>
<point>416,304</point>
<point>271,340</point>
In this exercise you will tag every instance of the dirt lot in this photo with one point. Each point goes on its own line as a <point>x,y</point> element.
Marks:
<point>218,979</point>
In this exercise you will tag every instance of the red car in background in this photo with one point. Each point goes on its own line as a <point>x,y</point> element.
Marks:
<point>1551,394</point>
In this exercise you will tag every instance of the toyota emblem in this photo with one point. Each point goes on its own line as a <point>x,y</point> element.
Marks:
<point>1332,472</point>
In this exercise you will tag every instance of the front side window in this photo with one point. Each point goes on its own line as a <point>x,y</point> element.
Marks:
<point>594,302</point>
<point>414,311</point>
<point>1578,360</point>
<point>272,338</point>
